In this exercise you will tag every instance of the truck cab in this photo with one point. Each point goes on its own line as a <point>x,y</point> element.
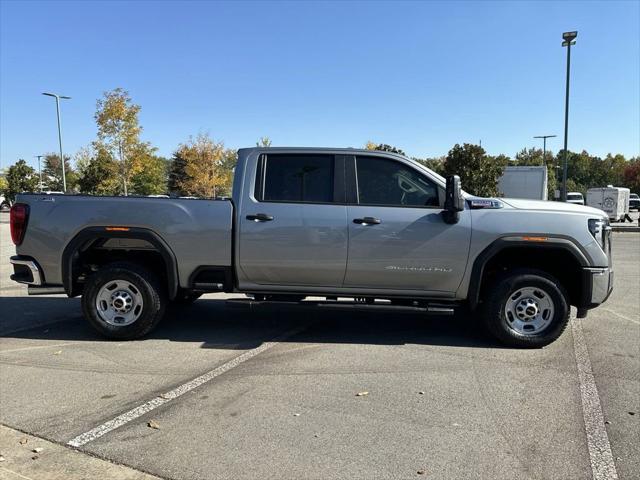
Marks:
<point>358,222</point>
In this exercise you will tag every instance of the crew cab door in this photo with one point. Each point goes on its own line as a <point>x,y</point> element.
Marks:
<point>397,236</point>
<point>292,222</point>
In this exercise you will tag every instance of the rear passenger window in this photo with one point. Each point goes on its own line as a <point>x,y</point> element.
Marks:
<point>389,183</point>
<point>298,178</point>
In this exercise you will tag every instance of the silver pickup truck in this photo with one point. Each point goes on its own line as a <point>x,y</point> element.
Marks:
<point>374,227</point>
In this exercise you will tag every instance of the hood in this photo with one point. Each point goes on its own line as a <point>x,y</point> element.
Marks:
<point>550,206</point>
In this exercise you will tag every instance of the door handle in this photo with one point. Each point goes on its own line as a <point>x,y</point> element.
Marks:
<point>367,221</point>
<point>260,217</point>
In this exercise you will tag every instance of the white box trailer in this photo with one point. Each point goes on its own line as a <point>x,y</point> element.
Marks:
<point>524,182</point>
<point>614,201</point>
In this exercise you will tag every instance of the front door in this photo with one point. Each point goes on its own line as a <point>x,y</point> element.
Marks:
<point>292,229</point>
<point>397,237</point>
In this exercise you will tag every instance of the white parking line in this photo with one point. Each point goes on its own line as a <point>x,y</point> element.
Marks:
<point>619,315</point>
<point>154,403</point>
<point>602,464</point>
<point>37,347</point>
<point>16,474</point>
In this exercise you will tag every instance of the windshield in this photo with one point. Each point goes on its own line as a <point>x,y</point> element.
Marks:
<point>575,196</point>
<point>436,175</point>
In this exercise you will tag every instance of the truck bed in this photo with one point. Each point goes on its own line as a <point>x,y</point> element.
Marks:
<point>198,232</point>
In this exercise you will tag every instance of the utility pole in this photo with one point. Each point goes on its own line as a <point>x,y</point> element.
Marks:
<point>568,40</point>
<point>58,97</point>
<point>40,169</point>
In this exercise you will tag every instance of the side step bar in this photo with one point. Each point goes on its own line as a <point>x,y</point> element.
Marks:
<point>33,290</point>
<point>429,309</point>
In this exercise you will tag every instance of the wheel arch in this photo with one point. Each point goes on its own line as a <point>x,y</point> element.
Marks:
<point>542,246</point>
<point>87,237</point>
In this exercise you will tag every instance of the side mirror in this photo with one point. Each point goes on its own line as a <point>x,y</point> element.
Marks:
<point>453,200</point>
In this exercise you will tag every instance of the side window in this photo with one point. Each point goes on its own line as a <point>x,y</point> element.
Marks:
<point>298,178</point>
<point>386,182</point>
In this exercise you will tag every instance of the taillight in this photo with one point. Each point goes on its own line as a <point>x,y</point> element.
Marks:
<point>18,219</point>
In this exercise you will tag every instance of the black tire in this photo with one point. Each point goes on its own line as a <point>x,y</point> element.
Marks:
<point>146,283</point>
<point>495,301</point>
<point>185,297</point>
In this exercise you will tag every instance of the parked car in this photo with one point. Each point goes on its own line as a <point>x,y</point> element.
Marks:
<point>321,222</point>
<point>634,201</point>
<point>575,198</point>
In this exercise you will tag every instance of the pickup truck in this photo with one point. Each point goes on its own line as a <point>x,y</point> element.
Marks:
<point>374,227</point>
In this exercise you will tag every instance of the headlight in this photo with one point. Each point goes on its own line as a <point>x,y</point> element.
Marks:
<point>598,228</point>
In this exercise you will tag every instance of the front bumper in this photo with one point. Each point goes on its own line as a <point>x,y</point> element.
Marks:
<point>27,271</point>
<point>599,283</point>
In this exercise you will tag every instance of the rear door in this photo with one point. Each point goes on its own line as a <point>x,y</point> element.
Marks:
<point>293,225</point>
<point>397,237</point>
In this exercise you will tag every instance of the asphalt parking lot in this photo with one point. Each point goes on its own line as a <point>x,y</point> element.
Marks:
<point>279,397</point>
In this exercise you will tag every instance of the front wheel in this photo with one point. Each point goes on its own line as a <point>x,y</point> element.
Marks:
<point>123,301</point>
<point>526,308</point>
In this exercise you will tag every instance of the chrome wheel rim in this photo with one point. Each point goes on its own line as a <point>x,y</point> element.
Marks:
<point>119,303</point>
<point>529,310</point>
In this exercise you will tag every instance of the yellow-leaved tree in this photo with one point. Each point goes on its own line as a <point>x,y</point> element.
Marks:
<point>119,134</point>
<point>208,167</point>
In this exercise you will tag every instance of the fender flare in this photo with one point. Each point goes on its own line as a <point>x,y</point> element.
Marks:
<point>92,233</point>
<point>515,240</point>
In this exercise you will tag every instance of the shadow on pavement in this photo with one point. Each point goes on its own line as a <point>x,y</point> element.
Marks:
<point>217,325</point>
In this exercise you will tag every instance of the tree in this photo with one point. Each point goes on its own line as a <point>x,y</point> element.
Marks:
<point>579,173</point>
<point>3,188</point>
<point>177,172</point>
<point>436,164</point>
<point>479,173</point>
<point>206,167</point>
<point>263,142</point>
<point>97,171</point>
<point>383,147</point>
<point>20,178</point>
<point>609,170</point>
<point>631,175</point>
<point>229,161</point>
<point>152,179</point>
<point>586,171</point>
<point>52,173</point>
<point>119,132</point>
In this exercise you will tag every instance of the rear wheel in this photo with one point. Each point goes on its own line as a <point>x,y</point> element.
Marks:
<point>526,308</point>
<point>123,301</point>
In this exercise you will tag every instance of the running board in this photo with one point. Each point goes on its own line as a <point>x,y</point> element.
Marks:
<point>32,290</point>
<point>429,309</point>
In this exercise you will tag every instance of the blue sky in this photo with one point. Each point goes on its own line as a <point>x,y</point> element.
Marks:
<point>419,75</point>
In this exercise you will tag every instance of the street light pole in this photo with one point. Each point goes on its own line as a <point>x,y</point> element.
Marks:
<point>568,40</point>
<point>58,97</point>
<point>544,144</point>
<point>40,169</point>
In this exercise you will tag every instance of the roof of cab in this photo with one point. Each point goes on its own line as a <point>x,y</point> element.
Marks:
<point>344,151</point>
